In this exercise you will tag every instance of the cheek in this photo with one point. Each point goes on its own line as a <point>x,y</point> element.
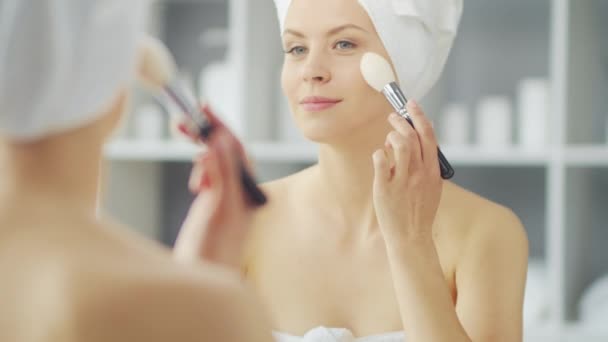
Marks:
<point>288,81</point>
<point>366,99</point>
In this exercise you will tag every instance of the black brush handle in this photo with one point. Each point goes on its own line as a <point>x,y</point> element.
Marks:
<point>447,171</point>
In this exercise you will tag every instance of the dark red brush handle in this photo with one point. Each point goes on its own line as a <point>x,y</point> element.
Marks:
<point>255,195</point>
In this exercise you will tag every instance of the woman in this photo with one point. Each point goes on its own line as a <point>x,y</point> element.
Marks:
<point>370,242</point>
<point>68,275</point>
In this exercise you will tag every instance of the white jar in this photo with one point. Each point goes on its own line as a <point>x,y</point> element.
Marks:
<point>533,112</point>
<point>494,122</point>
<point>149,123</point>
<point>216,85</point>
<point>454,125</point>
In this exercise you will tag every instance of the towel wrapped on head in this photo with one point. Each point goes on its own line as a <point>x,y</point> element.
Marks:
<point>62,62</point>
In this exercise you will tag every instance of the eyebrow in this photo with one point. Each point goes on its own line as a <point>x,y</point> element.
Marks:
<point>330,32</point>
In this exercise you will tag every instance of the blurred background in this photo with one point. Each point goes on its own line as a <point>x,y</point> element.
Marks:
<point>521,112</point>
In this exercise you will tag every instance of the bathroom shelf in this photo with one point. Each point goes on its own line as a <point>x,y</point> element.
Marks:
<point>151,150</point>
<point>589,155</point>
<point>305,153</point>
<point>284,152</point>
<point>475,156</point>
<point>578,333</point>
<point>177,151</point>
<point>543,334</point>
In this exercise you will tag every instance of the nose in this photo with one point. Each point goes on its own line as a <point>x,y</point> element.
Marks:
<point>315,70</point>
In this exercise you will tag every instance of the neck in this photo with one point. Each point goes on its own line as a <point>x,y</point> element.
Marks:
<point>346,175</point>
<point>62,171</point>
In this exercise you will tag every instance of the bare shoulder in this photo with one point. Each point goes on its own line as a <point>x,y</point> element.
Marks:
<point>98,283</point>
<point>179,304</point>
<point>479,223</point>
<point>283,186</point>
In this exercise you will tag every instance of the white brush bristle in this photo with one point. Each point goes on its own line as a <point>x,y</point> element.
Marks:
<point>156,66</point>
<point>376,70</point>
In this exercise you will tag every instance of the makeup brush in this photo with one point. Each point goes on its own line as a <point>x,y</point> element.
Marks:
<point>378,73</point>
<point>157,71</point>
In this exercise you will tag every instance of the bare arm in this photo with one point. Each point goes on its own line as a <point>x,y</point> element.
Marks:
<point>491,280</point>
<point>423,296</point>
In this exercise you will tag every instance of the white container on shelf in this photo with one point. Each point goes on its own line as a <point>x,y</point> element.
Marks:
<point>593,307</point>
<point>533,113</point>
<point>536,303</point>
<point>215,37</point>
<point>217,87</point>
<point>149,123</point>
<point>494,125</point>
<point>454,125</point>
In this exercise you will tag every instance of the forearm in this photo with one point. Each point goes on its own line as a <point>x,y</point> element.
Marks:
<point>185,248</point>
<point>195,242</point>
<point>422,293</point>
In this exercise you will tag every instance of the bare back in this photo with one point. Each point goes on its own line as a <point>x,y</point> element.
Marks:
<point>73,279</point>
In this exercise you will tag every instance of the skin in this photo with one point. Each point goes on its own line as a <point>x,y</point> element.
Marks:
<point>371,238</point>
<point>68,275</point>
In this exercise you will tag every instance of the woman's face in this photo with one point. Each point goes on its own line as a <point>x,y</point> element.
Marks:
<point>324,41</point>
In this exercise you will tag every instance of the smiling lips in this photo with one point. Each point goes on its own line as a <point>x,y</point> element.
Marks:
<point>318,103</point>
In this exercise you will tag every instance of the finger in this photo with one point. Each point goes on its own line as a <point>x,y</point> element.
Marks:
<point>238,147</point>
<point>197,173</point>
<point>184,128</point>
<point>230,168</point>
<point>404,128</point>
<point>212,117</point>
<point>382,174</point>
<point>218,124</point>
<point>213,180</point>
<point>426,133</point>
<point>402,150</point>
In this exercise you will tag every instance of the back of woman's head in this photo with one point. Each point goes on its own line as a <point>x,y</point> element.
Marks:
<point>63,62</point>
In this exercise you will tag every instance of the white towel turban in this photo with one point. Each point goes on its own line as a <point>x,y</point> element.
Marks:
<point>62,62</point>
<point>417,34</point>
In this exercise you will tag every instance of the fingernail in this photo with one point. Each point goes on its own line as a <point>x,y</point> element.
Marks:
<point>183,129</point>
<point>205,181</point>
<point>413,103</point>
<point>393,116</point>
<point>207,110</point>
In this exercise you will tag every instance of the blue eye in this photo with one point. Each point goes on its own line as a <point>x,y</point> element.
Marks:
<point>345,45</point>
<point>296,50</point>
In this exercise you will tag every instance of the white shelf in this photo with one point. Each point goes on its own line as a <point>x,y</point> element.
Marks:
<point>587,155</point>
<point>542,333</point>
<point>570,332</point>
<point>151,150</point>
<point>307,153</point>
<point>284,152</point>
<point>577,332</point>
<point>194,2</point>
<point>476,156</point>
